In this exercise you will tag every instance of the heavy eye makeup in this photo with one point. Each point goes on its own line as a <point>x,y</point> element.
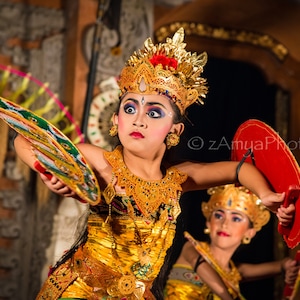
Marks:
<point>129,108</point>
<point>153,110</point>
<point>235,217</point>
<point>218,214</point>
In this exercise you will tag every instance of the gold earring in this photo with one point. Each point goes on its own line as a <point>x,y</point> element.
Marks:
<point>172,140</point>
<point>246,240</point>
<point>206,230</point>
<point>113,130</point>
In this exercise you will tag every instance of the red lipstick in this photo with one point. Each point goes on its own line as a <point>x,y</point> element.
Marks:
<point>136,135</point>
<point>222,233</point>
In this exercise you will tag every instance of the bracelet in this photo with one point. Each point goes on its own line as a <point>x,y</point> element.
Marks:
<point>41,169</point>
<point>246,155</point>
<point>199,261</point>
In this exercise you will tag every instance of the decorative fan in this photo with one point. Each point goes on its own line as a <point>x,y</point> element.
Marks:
<point>54,151</point>
<point>30,93</point>
<point>102,108</point>
<point>27,91</point>
<point>274,159</point>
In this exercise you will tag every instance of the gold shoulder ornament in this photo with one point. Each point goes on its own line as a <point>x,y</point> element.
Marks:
<point>147,194</point>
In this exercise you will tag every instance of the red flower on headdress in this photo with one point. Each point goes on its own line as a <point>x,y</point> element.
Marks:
<point>164,61</point>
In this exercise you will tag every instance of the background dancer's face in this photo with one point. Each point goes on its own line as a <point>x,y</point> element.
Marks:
<point>228,228</point>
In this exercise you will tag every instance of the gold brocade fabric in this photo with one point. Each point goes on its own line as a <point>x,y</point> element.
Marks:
<point>98,271</point>
<point>124,251</point>
<point>120,262</point>
<point>177,289</point>
<point>180,283</point>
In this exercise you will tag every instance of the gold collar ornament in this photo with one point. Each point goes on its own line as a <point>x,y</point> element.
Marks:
<point>147,194</point>
<point>238,198</point>
<point>168,69</point>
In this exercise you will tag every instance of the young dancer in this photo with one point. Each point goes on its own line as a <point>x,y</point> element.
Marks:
<point>130,230</point>
<point>233,217</point>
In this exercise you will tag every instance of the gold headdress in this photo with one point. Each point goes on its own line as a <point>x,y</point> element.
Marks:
<point>238,198</point>
<point>168,69</point>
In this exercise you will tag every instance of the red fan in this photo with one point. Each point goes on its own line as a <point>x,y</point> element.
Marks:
<point>274,159</point>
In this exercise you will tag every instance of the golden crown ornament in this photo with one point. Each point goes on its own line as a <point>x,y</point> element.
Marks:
<point>237,198</point>
<point>168,69</point>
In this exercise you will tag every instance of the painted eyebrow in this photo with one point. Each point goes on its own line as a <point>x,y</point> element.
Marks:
<point>147,103</point>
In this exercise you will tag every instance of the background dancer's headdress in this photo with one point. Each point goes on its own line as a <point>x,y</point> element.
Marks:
<point>238,198</point>
<point>168,69</point>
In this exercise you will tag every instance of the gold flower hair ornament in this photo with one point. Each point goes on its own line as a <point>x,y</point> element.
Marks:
<point>237,198</point>
<point>168,69</point>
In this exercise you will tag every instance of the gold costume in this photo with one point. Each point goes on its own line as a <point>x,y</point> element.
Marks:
<point>127,240</point>
<point>184,283</point>
<point>129,234</point>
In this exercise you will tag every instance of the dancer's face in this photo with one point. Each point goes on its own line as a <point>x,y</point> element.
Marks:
<point>145,120</point>
<point>228,227</point>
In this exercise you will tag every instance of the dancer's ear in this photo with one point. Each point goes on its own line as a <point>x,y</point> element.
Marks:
<point>177,128</point>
